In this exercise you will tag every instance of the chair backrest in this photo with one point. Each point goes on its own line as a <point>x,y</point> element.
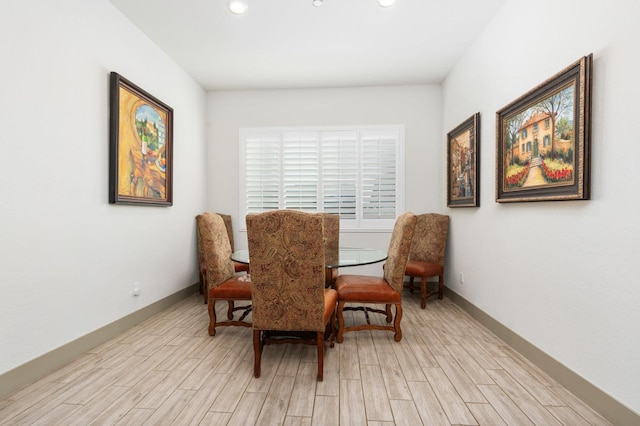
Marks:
<point>216,249</point>
<point>430,238</point>
<point>331,238</point>
<point>227,223</point>
<point>287,270</point>
<point>399,248</point>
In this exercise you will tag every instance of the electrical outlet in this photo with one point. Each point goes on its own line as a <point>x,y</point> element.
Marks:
<point>136,289</point>
<point>461,277</point>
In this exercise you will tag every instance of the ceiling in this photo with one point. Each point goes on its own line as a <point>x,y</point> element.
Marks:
<point>279,44</point>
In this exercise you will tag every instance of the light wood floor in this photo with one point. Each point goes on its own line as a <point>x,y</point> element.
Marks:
<point>447,370</point>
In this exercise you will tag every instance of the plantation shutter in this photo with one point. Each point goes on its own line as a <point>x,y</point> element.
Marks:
<point>262,172</point>
<point>379,159</point>
<point>300,170</point>
<point>339,173</point>
<point>353,172</point>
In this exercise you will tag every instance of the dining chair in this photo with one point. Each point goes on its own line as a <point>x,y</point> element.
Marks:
<point>289,298</point>
<point>371,290</point>
<point>426,258</point>
<point>238,267</point>
<point>331,246</point>
<point>220,278</point>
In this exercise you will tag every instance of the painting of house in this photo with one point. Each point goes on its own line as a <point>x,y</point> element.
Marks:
<point>536,136</point>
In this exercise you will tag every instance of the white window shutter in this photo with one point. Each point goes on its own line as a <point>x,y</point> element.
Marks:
<point>340,174</point>
<point>300,171</point>
<point>355,172</point>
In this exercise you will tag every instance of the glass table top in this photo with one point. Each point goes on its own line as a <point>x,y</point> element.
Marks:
<point>348,256</point>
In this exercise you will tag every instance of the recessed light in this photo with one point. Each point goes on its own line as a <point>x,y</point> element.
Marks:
<point>386,3</point>
<point>237,7</point>
<point>317,3</point>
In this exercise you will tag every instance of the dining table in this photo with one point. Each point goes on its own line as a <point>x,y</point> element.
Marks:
<point>347,256</point>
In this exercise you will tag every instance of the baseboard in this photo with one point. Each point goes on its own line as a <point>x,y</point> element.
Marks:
<point>39,367</point>
<point>607,406</point>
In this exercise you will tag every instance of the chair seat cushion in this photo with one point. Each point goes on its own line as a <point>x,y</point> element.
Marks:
<point>240,267</point>
<point>238,287</point>
<point>364,288</point>
<point>330,300</point>
<point>418,268</point>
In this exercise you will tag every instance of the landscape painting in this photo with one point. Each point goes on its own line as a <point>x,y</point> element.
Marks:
<point>543,140</point>
<point>140,146</point>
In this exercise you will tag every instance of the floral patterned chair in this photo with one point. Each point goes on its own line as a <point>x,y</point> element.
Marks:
<point>331,245</point>
<point>289,298</point>
<point>238,267</point>
<point>222,282</point>
<point>426,258</point>
<point>386,290</point>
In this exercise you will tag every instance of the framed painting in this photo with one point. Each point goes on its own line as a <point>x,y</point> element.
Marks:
<point>543,140</point>
<point>463,165</point>
<point>141,146</point>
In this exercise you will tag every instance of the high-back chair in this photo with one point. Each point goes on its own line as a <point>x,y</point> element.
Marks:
<point>289,298</point>
<point>238,267</point>
<point>331,245</point>
<point>387,290</point>
<point>426,258</point>
<point>222,283</point>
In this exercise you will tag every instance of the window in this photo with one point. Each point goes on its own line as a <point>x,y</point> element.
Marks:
<point>546,123</point>
<point>524,133</point>
<point>546,141</point>
<point>354,172</point>
<point>535,127</point>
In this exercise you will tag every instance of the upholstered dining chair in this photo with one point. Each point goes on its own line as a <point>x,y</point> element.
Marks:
<point>238,267</point>
<point>331,245</point>
<point>426,258</point>
<point>220,278</point>
<point>387,290</point>
<point>289,298</point>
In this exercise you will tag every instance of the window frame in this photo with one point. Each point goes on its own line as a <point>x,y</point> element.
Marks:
<point>359,224</point>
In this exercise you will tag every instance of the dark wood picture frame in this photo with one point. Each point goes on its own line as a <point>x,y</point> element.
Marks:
<point>140,146</point>
<point>543,140</point>
<point>463,166</point>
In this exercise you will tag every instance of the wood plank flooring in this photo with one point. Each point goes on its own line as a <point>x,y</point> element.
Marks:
<point>447,370</point>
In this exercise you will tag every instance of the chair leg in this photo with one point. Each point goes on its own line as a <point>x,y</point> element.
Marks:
<point>332,330</point>
<point>320,344</point>
<point>396,324</point>
<point>257,352</point>
<point>212,317</point>
<point>203,289</point>
<point>440,286</point>
<point>340,337</point>
<point>230,310</point>
<point>423,292</point>
<point>411,285</point>
<point>389,315</point>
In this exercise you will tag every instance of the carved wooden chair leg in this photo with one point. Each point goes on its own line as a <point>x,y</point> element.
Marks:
<point>230,309</point>
<point>340,337</point>
<point>212,317</point>
<point>396,323</point>
<point>320,345</point>
<point>257,352</point>
<point>423,292</point>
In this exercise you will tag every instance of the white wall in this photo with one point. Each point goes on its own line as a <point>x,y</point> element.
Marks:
<point>563,275</point>
<point>417,107</point>
<point>68,259</point>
